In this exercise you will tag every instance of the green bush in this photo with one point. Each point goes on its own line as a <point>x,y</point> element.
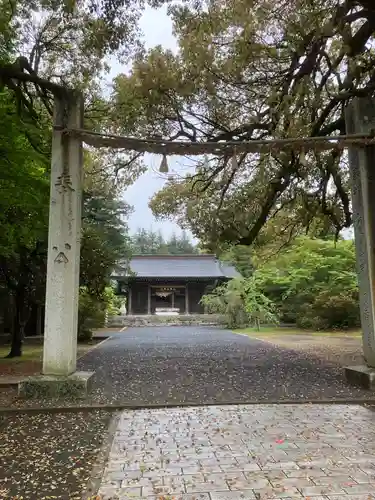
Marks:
<point>313,283</point>
<point>228,300</point>
<point>92,311</point>
<point>261,309</point>
<point>241,303</point>
<point>331,312</point>
<point>91,314</point>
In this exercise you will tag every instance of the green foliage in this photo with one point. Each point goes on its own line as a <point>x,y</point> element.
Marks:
<point>65,42</point>
<point>327,311</point>
<point>24,185</point>
<point>113,302</point>
<point>93,309</point>
<point>241,303</point>
<point>261,310</point>
<point>241,257</point>
<point>104,243</point>
<point>24,198</point>
<point>249,71</point>
<point>313,283</point>
<point>104,239</point>
<point>148,242</point>
<point>228,299</point>
<point>69,40</point>
<point>90,314</point>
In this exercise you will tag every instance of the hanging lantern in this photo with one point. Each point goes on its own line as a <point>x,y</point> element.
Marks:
<point>164,165</point>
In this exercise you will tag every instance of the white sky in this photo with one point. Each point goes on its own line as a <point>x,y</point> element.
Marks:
<point>157,29</point>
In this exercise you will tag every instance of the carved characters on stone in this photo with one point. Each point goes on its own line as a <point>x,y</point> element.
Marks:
<point>64,183</point>
<point>61,258</point>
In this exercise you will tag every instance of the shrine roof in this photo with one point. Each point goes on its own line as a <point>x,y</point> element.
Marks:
<point>176,266</point>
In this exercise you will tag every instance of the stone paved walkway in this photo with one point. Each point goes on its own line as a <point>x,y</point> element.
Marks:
<point>243,452</point>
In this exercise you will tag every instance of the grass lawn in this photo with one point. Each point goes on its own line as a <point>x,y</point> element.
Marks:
<point>282,331</point>
<point>30,352</point>
<point>31,360</point>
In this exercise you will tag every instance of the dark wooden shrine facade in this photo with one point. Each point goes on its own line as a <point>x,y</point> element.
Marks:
<point>174,283</point>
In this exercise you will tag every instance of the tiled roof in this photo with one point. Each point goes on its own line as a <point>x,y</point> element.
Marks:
<point>178,266</point>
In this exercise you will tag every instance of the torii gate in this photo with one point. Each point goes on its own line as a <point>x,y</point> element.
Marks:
<point>61,314</point>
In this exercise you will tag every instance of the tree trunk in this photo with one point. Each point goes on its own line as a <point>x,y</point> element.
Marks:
<point>20,321</point>
<point>17,340</point>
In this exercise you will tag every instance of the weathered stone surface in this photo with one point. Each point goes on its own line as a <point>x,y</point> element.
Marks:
<point>360,119</point>
<point>64,236</point>
<point>361,375</point>
<point>278,451</point>
<point>156,320</point>
<point>42,386</point>
<point>11,380</point>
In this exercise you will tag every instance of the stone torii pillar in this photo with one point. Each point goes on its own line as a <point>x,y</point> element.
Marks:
<point>360,119</point>
<point>64,234</point>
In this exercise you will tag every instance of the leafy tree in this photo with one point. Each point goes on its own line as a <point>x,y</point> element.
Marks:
<point>23,218</point>
<point>313,283</point>
<point>228,300</point>
<point>260,309</point>
<point>92,310</point>
<point>180,244</point>
<point>146,242</point>
<point>62,42</point>
<point>241,257</point>
<point>24,184</point>
<point>241,303</point>
<point>65,43</point>
<point>254,70</point>
<point>104,244</point>
<point>105,240</point>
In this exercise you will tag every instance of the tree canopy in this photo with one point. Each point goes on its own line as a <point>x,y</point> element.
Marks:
<point>148,242</point>
<point>244,70</point>
<point>49,45</point>
<point>254,70</point>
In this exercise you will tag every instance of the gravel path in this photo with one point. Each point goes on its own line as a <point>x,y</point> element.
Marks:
<point>343,350</point>
<point>200,365</point>
<point>208,365</point>
<point>48,456</point>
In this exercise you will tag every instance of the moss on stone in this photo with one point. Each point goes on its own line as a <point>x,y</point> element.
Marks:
<point>43,386</point>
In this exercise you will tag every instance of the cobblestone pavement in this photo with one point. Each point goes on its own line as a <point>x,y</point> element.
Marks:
<point>243,452</point>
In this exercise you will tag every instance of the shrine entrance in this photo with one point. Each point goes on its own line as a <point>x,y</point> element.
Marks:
<point>162,284</point>
<point>163,299</point>
<point>61,317</point>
